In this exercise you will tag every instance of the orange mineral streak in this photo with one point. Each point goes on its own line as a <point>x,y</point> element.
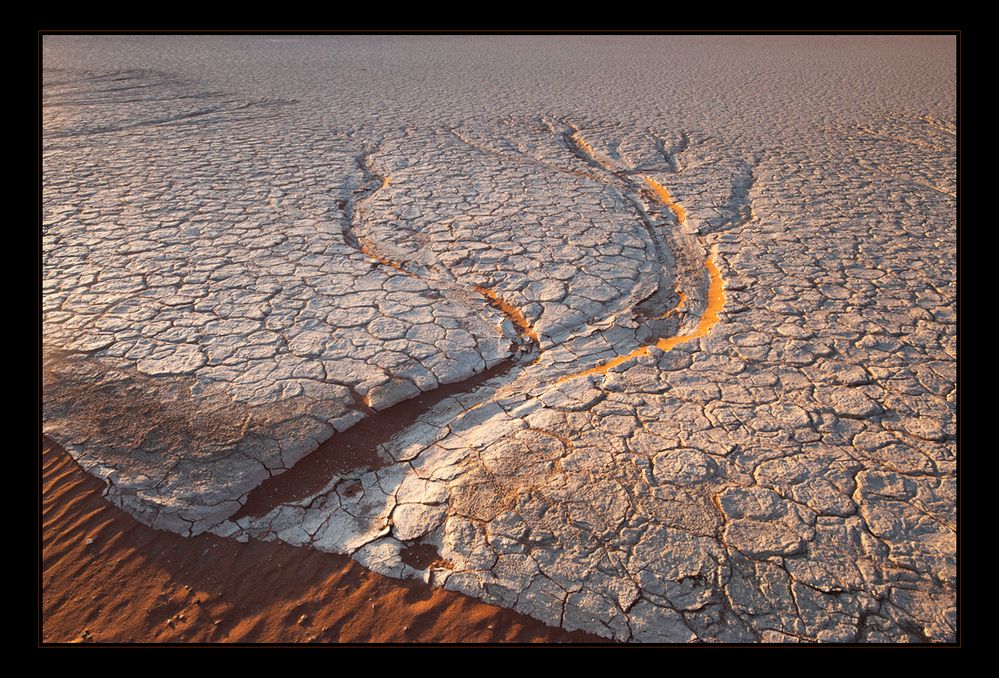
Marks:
<point>584,145</point>
<point>710,317</point>
<point>667,199</point>
<point>511,312</point>
<point>680,305</point>
<point>372,253</point>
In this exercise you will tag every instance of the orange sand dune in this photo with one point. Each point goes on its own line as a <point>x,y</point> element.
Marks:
<point>132,583</point>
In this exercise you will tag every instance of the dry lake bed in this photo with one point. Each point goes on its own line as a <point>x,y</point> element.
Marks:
<point>646,338</point>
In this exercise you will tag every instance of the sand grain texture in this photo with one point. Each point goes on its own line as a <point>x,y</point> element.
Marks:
<point>134,584</point>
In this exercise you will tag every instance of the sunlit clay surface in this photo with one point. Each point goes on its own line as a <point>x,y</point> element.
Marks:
<point>513,313</point>
<point>710,317</point>
<point>650,338</point>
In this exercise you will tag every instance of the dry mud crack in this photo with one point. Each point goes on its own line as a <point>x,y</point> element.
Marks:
<point>660,381</point>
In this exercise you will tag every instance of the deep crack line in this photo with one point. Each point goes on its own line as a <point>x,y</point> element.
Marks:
<point>710,318</point>
<point>368,248</point>
<point>524,328</point>
<point>673,248</point>
<point>358,446</point>
<point>669,249</point>
<point>716,288</point>
<point>666,199</point>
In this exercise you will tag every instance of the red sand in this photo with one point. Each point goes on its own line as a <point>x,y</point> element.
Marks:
<point>136,584</point>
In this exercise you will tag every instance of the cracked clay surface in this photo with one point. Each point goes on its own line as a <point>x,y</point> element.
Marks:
<point>715,307</point>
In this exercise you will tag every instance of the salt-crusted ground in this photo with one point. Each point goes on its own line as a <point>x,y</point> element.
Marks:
<point>252,243</point>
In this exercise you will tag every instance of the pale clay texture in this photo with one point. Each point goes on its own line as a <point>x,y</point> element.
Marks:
<point>215,307</point>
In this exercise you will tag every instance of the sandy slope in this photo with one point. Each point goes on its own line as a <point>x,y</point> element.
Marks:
<point>136,584</point>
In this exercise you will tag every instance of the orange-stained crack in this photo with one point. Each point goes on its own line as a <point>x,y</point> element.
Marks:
<point>710,317</point>
<point>511,312</point>
<point>516,317</point>
<point>680,305</point>
<point>667,200</point>
<point>372,253</point>
<point>578,138</point>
